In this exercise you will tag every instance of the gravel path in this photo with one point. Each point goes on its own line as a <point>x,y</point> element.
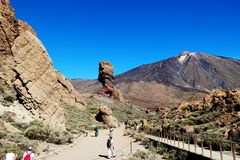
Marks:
<point>94,148</point>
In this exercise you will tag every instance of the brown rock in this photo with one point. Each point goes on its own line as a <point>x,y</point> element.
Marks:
<point>26,65</point>
<point>117,94</point>
<point>106,77</point>
<point>233,133</point>
<point>188,129</point>
<point>105,115</point>
<point>23,26</point>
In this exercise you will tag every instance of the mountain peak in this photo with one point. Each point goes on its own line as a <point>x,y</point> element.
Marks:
<point>183,56</point>
<point>184,53</point>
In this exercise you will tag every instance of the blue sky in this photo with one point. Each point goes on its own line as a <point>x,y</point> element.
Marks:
<point>80,33</point>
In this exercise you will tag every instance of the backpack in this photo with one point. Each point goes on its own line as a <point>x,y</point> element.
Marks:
<point>28,156</point>
<point>109,143</point>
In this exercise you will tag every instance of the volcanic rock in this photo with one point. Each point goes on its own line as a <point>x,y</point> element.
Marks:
<point>106,77</point>
<point>105,115</point>
<point>26,65</point>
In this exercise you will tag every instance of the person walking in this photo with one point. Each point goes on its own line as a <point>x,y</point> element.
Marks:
<point>10,155</point>
<point>110,132</point>
<point>110,147</point>
<point>96,132</point>
<point>28,155</point>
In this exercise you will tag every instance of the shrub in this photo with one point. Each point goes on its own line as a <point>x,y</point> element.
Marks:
<point>2,135</point>
<point>10,98</point>
<point>140,154</point>
<point>37,130</point>
<point>8,117</point>
<point>129,112</point>
<point>20,126</point>
<point>60,137</point>
<point>197,130</point>
<point>139,136</point>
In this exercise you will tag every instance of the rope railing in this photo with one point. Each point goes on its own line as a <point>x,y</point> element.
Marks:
<point>194,143</point>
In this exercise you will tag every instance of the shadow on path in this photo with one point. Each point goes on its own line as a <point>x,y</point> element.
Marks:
<point>104,156</point>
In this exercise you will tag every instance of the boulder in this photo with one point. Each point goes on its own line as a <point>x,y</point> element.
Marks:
<point>105,115</point>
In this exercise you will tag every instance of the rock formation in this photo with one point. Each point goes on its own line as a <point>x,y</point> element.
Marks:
<point>217,112</point>
<point>25,65</point>
<point>233,133</point>
<point>106,77</point>
<point>105,115</point>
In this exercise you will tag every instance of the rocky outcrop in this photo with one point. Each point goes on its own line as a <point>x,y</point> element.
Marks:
<point>217,113</point>
<point>105,115</point>
<point>228,100</point>
<point>233,133</point>
<point>25,65</point>
<point>106,77</point>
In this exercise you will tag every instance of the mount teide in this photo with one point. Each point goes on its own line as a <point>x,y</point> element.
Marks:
<point>168,82</point>
<point>197,71</point>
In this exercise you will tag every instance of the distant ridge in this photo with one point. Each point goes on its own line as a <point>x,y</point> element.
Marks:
<point>187,76</point>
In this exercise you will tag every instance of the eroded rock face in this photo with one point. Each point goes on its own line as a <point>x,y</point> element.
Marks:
<point>26,65</point>
<point>105,115</point>
<point>106,77</point>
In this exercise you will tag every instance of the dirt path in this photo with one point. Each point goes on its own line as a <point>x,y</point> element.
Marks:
<point>94,148</point>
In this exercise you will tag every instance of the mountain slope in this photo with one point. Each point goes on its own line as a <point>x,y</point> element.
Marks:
<point>195,71</point>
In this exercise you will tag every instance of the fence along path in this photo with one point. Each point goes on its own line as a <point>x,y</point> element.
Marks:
<point>194,148</point>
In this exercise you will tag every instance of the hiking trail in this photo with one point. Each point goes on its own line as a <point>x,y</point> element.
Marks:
<point>94,148</point>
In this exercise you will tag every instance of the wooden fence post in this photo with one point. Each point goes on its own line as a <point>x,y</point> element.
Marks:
<point>211,148</point>
<point>174,140</point>
<point>131,149</point>
<point>220,145</point>
<point>183,142</point>
<point>233,150</point>
<point>178,142</point>
<point>170,136</point>
<point>195,146</point>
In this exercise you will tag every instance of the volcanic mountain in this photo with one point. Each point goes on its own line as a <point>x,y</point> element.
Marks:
<point>168,82</point>
<point>195,71</point>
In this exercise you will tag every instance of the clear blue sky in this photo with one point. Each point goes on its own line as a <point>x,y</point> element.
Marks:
<point>80,33</point>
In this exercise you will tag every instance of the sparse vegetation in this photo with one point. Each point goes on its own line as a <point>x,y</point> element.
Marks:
<point>78,120</point>
<point>37,130</point>
<point>7,94</point>
<point>60,137</point>
<point>7,117</point>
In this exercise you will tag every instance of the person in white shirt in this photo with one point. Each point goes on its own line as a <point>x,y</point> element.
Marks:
<point>28,153</point>
<point>10,155</point>
<point>110,146</point>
